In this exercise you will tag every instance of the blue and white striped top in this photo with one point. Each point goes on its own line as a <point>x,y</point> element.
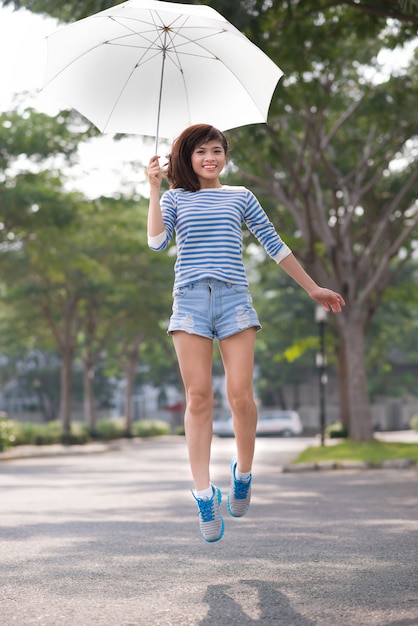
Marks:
<point>208,225</point>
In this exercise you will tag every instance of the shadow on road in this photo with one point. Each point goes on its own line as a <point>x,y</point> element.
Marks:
<point>271,605</point>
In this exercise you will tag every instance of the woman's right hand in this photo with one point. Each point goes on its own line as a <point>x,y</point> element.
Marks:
<point>154,173</point>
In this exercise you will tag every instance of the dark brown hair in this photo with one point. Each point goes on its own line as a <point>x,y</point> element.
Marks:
<point>179,172</point>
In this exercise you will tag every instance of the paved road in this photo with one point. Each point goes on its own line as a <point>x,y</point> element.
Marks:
<point>112,540</point>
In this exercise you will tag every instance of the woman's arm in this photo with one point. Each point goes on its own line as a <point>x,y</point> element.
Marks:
<point>330,300</point>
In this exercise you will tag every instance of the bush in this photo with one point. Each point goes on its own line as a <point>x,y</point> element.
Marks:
<point>150,428</point>
<point>108,429</point>
<point>78,435</point>
<point>337,431</point>
<point>28,433</point>
<point>413,422</point>
<point>7,434</point>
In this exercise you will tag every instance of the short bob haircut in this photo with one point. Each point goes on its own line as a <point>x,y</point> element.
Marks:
<point>179,169</point>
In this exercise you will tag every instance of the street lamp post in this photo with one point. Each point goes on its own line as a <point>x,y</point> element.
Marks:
<point>321,320</point>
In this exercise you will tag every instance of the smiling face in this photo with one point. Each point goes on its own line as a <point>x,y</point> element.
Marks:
<point>208,161</point>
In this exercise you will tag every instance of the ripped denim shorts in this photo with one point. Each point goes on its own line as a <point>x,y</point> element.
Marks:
<point>212,308</point>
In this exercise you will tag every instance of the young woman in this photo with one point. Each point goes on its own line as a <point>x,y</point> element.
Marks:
<point>211,299</point>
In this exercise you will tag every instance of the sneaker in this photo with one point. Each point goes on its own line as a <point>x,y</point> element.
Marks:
<point>211,522</point>
<point>240,494</point>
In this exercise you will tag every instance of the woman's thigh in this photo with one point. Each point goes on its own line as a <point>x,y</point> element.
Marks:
<point>194,355</point>
<point>237,353</point>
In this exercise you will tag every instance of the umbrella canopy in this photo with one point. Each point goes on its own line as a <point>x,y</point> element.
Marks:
<point>153,68</point>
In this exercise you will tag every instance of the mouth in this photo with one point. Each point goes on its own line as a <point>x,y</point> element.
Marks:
<point>209,168</point>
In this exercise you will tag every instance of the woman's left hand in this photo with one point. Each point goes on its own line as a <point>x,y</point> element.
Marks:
<point>330,300</point>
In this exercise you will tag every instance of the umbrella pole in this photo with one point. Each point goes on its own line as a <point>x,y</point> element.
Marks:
<point>164,50</point>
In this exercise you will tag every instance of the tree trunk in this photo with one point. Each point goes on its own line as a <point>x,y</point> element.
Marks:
<point>129,378</point>
<point>65,400</point>
<point>89,404</point>
<point>360,420</point>
<point>343,391</point>
<point>130,372</point>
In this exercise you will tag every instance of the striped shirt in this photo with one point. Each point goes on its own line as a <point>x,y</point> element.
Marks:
<point>208,226</point>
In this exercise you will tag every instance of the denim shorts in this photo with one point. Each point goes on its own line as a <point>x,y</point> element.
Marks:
<point>212,308</point>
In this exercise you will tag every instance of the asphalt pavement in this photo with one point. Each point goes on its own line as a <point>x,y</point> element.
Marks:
<point>112,539</point>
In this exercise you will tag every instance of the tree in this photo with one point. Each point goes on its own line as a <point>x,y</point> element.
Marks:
<point>126,300</point>
<point>94,285</point>
<point>392,353</point>
<point>284,349</point>
<point>83,266</point>
<point>339,155</point>
<point>144,297</point>
<point>240,13</point>
<point>53,279</point>
<point>33,207</point>
<point>34,147</point>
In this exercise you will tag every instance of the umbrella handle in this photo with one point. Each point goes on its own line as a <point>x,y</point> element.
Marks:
<point>164,50</point>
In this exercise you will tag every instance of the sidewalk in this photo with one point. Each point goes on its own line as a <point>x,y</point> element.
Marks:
<point>27,452</point>
<point>32,452</point>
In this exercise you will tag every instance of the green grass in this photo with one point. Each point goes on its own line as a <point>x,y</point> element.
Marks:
<point>368,452</point>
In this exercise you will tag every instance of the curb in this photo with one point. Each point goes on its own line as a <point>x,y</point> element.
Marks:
<point>349,465</point>
<point>54,450</point>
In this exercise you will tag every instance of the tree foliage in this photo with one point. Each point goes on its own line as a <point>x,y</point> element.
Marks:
<point>339,156</point>
<point>75,274</point>
<point>336,166</point>
<point>240,13</point>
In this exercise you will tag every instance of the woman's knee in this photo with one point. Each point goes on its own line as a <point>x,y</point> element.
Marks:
<point>200,402</point>
<point>242,403</point>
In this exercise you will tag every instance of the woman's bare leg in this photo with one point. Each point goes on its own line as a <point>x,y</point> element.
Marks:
<point>237,354</point>
<point>194,354</point>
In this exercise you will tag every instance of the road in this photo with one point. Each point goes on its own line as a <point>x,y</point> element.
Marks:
<point>112,539</point>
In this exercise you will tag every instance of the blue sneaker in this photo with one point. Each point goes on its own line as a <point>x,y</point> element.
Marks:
<point>211,521</point>
<point>240,494</point>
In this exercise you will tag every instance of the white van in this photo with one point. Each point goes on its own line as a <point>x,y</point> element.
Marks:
<point>270,422</point>
<point>275,422</point>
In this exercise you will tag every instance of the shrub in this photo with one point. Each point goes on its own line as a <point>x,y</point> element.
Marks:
<point>7,434</point>
<point>108,429</point>
<point>19,437</point>
<point>413,422</point>
<point>150,428</point>
<point>78,435</point>
<point>337,431</point>
<point>46,434</point>
<point>29,433</point>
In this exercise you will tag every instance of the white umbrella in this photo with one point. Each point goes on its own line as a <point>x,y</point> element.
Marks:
<point>153,68</point>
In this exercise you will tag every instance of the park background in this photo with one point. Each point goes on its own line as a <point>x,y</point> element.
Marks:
<point>84,302</point>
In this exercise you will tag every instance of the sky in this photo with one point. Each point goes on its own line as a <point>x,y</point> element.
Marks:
<point>105,165</point>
